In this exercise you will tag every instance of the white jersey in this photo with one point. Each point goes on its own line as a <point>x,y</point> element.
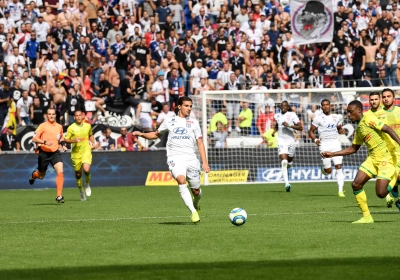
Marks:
<point>327,127</point>
<point>182,136</point>
<point>286,134</point>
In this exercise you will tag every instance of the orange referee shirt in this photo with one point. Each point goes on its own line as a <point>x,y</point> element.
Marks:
<point>51,132</point>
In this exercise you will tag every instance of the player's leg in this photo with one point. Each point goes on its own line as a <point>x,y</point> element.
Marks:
<point>362,177</point>
<point>337,161</point>
<point>86,171</point>
<point>229,115</point>
<point>78,178</point>
<point>178,171</point>
<point>58,165</point>
<point>193,178</point>
<point>284,157</point>
<point>40,173</point>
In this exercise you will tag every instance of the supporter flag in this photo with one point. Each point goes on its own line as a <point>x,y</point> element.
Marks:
<point>312,21</point>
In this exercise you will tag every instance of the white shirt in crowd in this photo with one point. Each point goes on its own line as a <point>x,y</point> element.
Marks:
<point>25,84</point>
<point>12,59</point>
<point>41,30</point>
<point>182,136</point>
<point>197,74</point>
<point>161,86</point>
<point>392,47</point>
<point>59,65</point>
<point>286,134</point>
<point>24,106</point>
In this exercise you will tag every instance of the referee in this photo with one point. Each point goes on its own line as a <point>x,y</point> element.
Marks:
<point>49,137</point>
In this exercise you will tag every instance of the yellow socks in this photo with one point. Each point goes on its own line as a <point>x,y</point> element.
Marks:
<point>361,198</point>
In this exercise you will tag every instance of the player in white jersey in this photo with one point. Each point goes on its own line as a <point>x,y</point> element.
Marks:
<point>183,134</point>
<point>286,123</point>
<point>329,126</point>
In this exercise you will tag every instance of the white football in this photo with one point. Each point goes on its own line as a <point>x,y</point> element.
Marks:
<point>238,216</point>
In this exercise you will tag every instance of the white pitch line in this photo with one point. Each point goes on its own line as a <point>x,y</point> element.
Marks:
<point>172,217</point>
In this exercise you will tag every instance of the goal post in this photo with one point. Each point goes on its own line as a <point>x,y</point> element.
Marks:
<point>247,150</point>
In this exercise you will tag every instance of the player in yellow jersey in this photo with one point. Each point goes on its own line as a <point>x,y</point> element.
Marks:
<point>393,121</point>
<point>379,162</point>
<point>80,135</point>
<point>375,101</point>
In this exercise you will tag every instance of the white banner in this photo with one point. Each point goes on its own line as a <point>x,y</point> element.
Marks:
<point>312,21</point>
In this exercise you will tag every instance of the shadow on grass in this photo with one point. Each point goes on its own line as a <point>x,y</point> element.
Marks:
<point>350,268</point>
<point>176,223</point>
<point>45,204</point>
<point>321,195</point>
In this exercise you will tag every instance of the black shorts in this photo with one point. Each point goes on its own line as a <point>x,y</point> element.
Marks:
<point>46,158</point>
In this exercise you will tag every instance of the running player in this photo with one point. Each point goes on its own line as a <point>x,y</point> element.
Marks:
<point>328,126</point>
<point>80,135</point>
<point>183,134</point>
<point>393,121</point>
<point>286,123</point>
<point>375,102</point>
<point>379,162</point>
<point>50,139</point>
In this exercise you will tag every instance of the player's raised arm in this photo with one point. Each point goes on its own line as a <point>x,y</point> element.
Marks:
<point>392,133</point>
<point>348,151</point>
<point>297,126</point>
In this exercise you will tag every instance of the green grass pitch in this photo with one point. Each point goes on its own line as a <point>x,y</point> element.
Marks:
<point>145,233</point>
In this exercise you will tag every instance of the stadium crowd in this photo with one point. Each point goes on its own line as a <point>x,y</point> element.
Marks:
<point>62,54</point>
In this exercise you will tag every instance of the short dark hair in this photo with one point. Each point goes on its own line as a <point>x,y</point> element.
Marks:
<point>183,99</point>
<point>388,89</point>
<point>356,103</point>
<point>325,100</point>
<point>77,111</point>
<point>374,93</point>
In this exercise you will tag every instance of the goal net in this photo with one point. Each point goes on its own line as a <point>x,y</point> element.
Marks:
<point>239,149</point>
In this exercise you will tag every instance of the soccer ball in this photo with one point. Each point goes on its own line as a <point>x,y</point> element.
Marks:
<point>238,216</point>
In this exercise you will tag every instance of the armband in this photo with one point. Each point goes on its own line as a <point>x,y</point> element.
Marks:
<point>62,143</point>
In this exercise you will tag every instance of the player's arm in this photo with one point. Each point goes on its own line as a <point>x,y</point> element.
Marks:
<point>340,129</point>
<point>36,139</point>
<point>297,126</point>
<point>148,135</point>
<point>348,151</point>
<point>312,135</point>
<point>202,152</point>
<point>391,132</point>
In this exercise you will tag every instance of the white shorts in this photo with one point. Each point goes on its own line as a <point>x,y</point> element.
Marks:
<point>331,147</point>
<point>287,149</point>
<point>188,168</point>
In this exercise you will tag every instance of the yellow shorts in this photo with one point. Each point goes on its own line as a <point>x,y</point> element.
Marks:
<point>78,160</point>
<point>381,168</point>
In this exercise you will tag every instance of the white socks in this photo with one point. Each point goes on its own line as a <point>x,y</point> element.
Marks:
<point>196,198</point>
<point>284,164</point>
<point>340,179</point>
<point>186,197</point>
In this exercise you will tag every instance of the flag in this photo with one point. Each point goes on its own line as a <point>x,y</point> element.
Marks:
<point>312,21</point>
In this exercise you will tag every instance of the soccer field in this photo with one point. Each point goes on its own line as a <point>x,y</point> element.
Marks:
<point>146,233</point>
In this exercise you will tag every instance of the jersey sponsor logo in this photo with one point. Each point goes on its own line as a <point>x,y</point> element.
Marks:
<point>180,130</point>
<point>330,125</point>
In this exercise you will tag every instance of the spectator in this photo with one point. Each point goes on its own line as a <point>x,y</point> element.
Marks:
<point>8,141</point>
<point>38,111</point>
<point>159,89</point>
<point>196,74</point>
<point>105,142</point>
<point>126,141</point>
<point>165,113</point>
<point>219,117</point>
<point>219,137</point>
<point>25,109</point>
<point>231,103</point>
<point>312,113</point>
<point>104,96</point>
<point>265,120</point>
<point>271,141</point>
<point>245,118</point>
